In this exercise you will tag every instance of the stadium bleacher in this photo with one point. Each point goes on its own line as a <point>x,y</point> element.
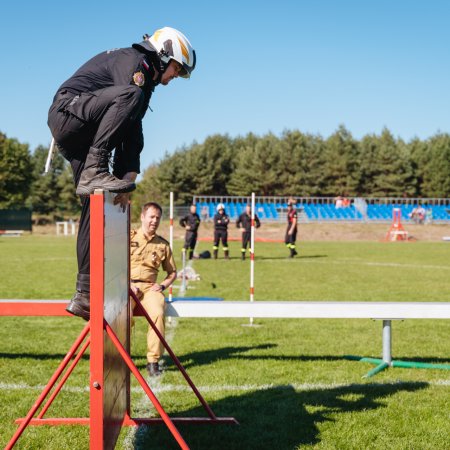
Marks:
<point>314,211</point>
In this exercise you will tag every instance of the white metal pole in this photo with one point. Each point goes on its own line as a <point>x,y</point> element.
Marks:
<point>171,236</point>
<point>252,254</point>
<point>183,280</point>
<point>51,152</point>
<point>387,342</point>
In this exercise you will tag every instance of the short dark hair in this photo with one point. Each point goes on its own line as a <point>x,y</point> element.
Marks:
<point>151,205</point>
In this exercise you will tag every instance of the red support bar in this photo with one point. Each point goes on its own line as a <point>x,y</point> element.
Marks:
<point>64,378</point>
<point>133,422</point>
<point>58,421</point>
<point>49,386</point>
<point>174,357</point>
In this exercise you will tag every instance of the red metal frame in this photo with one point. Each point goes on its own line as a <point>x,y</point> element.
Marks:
<point>97,327</point>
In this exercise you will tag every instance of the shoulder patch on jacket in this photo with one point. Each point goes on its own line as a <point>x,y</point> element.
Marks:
<point>139,79</point>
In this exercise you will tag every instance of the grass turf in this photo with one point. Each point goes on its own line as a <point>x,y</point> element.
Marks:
<point>285,380</point>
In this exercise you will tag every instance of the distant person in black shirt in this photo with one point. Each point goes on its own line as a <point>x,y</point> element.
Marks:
<point>221,221</point>
<point>190,222</point>
<point>291,231</point>
<point>244,222</point>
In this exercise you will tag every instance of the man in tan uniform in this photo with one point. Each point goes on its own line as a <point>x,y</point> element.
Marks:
<point>148,253</point>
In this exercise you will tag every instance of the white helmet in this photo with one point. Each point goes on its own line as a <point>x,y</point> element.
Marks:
<point>172,44</point>
<point>220,206</point>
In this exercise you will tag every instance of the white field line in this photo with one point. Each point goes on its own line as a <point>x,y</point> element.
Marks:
<point>340,261</point>
<point>142,407</point>
<point>159,388</point>
<point>382,264</point>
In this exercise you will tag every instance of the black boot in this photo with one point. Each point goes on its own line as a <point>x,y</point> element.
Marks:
<point>96,175</point>
<point>215,252</point>
<point>153,369</point>
<point>226,254</point>
<point>79,305</point>
<point>191,254</point>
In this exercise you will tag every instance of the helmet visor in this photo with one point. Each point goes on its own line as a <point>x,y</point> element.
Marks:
<point>186,70</point>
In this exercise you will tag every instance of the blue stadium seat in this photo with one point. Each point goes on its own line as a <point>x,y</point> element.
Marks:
<point>273,211</point>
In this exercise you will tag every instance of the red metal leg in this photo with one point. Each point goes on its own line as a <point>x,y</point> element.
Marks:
<point>48,388</point>
<point>174,358</point>
<point>64,378</point>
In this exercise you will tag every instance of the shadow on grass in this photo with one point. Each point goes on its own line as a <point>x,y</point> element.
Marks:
<point>37,356</point>
<point>201,358</point>
<point>206,357</point>
<point>277,418</point>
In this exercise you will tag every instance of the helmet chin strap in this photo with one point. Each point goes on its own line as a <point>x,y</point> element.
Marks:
<point>157,61</point>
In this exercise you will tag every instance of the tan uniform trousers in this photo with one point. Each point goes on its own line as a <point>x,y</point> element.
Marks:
<point>153,303</point>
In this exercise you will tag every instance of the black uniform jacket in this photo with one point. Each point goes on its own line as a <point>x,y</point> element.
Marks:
<point>121,67</point>
<point>221,222</point>
<point>193,220</point>
<point>246,221</point>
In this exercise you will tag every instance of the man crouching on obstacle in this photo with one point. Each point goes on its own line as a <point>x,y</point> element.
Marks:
<point>148,253</point>
<point>99,109</point>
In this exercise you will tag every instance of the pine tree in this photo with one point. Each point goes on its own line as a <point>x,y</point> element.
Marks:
<point>45,192</point>
<point>340,167</point>
<point>301,164</point>
<point>436,172</point>
<point>393,173</point>
<point>16,176</point>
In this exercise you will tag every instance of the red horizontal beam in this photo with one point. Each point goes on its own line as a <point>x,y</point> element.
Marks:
<point>37,308</point>
<point>184,420</point>
<point>33,308</point>
<point>130,422</point>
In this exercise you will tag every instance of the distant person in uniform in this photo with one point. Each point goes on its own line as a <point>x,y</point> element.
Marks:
<point>100,109</point>
<point>221,221</point>
<point>191,223</point>
<point>149,253</point>
<point>291,231</point>
<point>244,223</point>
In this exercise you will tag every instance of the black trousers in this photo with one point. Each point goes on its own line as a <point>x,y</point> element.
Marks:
<point>220,235</point>
<point>190,239</point>
<point>290,239</point>
<point>246,236</point>
<point>97,119</point>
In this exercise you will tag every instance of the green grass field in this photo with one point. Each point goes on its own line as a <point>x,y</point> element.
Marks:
<point>285,381</point>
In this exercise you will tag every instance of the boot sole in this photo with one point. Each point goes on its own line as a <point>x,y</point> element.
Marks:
<point>85,192</point>
<point>75,310</point>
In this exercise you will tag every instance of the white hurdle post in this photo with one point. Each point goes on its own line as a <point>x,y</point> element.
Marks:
<point>252,254</point>
<point>171,237</point>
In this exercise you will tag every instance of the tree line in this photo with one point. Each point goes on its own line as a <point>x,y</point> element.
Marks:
<point>293,163</point>
<point>304,165</point>
<point>23,185</point>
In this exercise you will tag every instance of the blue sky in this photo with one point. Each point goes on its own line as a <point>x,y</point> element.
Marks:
<point>262,66</point>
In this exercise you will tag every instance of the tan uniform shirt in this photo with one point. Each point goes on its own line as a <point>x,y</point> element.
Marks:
<point>147,256</point>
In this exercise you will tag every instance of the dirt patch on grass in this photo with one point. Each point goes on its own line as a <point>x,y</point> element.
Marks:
<point>306,231</point>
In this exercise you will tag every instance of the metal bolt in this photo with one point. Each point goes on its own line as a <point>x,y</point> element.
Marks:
<point>96,385</point>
